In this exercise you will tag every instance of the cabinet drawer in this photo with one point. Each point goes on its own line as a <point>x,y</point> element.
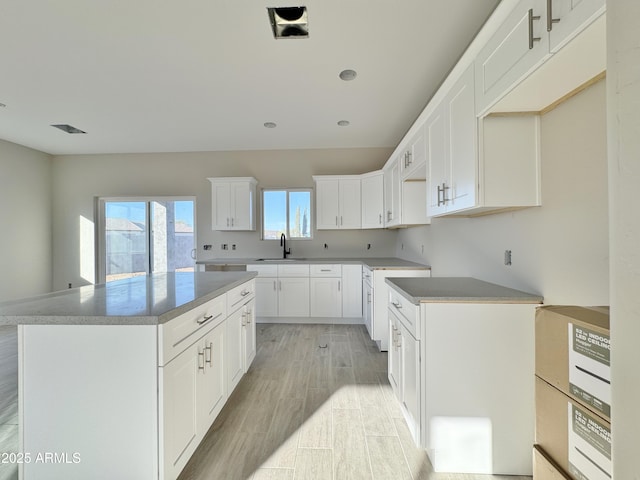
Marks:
<point>178,334</point>
<point>325,270</point>
<point>407,312</point>
<point>239,295</point>
<point>264,270</point>
<point>293,270</point>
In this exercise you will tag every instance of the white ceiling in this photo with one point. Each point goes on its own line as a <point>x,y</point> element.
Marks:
<point>194,75</point>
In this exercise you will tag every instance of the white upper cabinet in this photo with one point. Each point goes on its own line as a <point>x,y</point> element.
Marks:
<point>392,194</point>
<point>338,202</point>
<point>412,161</point>
<point>566,18</point>
<point>519,45</point>
<point>529,36</point>
<point>372,191</point>
<point>451,150</point>
<point>480,165</point>
<point>233,203</point>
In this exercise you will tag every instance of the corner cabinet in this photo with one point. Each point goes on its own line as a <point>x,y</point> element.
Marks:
<point>233,203</point>
<point>338,202</point>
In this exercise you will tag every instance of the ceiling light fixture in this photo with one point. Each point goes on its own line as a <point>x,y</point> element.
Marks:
<point>68,128</point>
<point>348,75</point>
<point>289,22</point>
<point>344,123</point>
<point>270,125</point>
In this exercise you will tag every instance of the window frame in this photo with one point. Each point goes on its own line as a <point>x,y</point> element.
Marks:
<point>309,190</point>
<point>100,215</point>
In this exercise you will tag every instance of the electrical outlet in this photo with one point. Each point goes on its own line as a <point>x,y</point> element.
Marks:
<point>368,246</point>
<point>233,247</point>
<point>207,247</point>
<point>224,246</point>
<point>326,246</point>
<point>507,257</point>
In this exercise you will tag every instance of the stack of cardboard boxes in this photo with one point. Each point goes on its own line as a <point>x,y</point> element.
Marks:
<point>573,394</point>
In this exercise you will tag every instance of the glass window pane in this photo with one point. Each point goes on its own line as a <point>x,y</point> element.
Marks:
<point>274,214</point>
<point>173,240</point>
<point>300,214</point>
<point>126,239</point>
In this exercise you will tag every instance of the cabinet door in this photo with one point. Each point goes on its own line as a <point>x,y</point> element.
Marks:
<point>394,357</point>
<point>221,208</point>
<point>367,307</point>
<point>293,297</point>
<point>392,194</point>
<point>266,297</point>
<point>327,204</point>
<point>462,146</point>
<point>212,380</point>
<point>412,163</point>
<point>512,53</point>
<point>235,348</point>
<point>242,206</point>
<point>352,291</point>
<point>372,191</point>
<point>350,210</point>
<point>438,162</point>
<point>410,377</point>
<point>573,16</point>
<point>325,297</point>
<point>179,410</point>
<point>249,334</point>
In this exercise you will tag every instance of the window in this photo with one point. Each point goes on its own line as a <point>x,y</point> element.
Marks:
<point>140,236</point>
<point>286,211</point>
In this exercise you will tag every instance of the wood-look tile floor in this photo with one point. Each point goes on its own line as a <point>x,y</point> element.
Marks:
<point>310,413</point>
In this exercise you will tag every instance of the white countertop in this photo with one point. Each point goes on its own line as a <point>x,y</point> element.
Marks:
<point>458,290</point>
<point>143,300</point>
<point>373,263</point>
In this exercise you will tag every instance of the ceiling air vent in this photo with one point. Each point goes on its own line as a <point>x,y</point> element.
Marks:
<point>68,128</point>
<point>289,22</point>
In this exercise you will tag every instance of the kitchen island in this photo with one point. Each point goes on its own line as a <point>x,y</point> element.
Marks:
<point>461,362</point>
<point>123,380</point>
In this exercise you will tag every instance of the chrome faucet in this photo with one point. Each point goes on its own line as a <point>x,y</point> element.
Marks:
<point>283,244</point>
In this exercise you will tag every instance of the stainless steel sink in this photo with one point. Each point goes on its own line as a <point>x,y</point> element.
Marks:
<point>279,259</point>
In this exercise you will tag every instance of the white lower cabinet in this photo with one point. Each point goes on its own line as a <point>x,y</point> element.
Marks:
<point>179,406</point>
<point>212,378</point>
<point>325,297</point>
<point>351,288</point>
<point>293,297</point>
<point>266,297</point>
<point>235,357</point>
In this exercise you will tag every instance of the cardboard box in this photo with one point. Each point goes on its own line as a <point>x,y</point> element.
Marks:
<point>544,468</point>
<point>575,438</point>
<point>573,353</point>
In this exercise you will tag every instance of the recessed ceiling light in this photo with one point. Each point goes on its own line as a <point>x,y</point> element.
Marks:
<point>348,75</point>
<point>270,125</point>
<point>344,123</point>
<point>2,105</point>
<point>289,22</point>
<point>68,128</point>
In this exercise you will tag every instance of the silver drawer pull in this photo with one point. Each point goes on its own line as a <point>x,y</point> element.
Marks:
<point>200,356</point>
<point>244,293</point>
<point>208,348</point>
<point>396,304</point>
<point>207,318</point>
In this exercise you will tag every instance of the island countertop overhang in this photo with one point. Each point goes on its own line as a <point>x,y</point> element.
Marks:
<point>145,300</point>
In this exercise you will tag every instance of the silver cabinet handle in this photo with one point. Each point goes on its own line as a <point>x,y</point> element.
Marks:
<point>249,316</point>
<point>232,221</point>
<point>280,284</point>
<point>341,222</point>
<point>532,39</point>
<point>325,270</point>
<point>244,319</point>
<point>204,319</point>
<point>397,305</point>
<point>338,285</point>
<point>227,221</point>
<point>380,219</point>
<point>368,297</point>
<point>244,293</point>
<point>550,19</point>
<point>442,190</point>
<point>208,349</point>
<point>274,286</point>
<point>336,220</point>
<point>388,215</point>
<point>200,357</point>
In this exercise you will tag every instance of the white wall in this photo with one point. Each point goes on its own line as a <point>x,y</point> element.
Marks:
<point>25,219</point>
<point>623,107</point>
<point>77,180</point>
<point>559,250</point>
